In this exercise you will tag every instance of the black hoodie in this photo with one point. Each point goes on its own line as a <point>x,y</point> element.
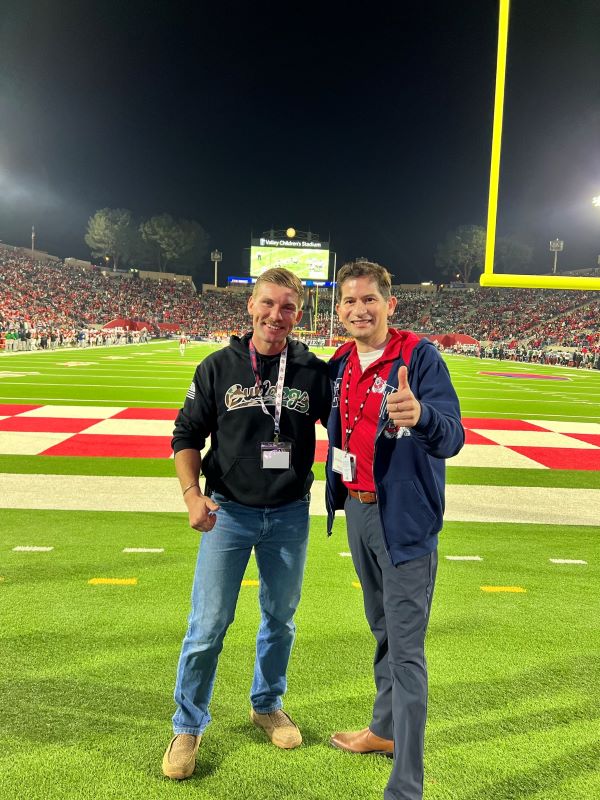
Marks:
<point>223,403</point>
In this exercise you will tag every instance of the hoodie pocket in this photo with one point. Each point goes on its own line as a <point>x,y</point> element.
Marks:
<point>245,480</point>
<point>408,516</point>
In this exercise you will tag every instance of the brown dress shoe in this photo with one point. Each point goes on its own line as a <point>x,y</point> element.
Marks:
<point>363,742</point>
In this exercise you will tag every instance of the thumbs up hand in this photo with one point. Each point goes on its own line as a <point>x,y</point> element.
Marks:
<point>403,407</point>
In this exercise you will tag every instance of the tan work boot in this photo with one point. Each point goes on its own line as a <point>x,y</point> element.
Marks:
<point>279,727</point>
<point>179,760</point>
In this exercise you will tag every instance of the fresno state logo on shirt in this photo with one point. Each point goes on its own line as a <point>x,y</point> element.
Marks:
<point>392,432</point>
<point>379,385</point>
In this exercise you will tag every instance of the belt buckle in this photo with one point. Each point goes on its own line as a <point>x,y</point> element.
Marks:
<point>360,500</point>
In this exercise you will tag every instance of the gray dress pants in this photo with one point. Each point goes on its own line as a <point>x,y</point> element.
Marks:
<point>397,603</point>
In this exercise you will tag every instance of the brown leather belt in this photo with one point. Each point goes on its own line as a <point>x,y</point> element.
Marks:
<point>364,497</point>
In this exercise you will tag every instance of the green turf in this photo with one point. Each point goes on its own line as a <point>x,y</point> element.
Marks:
<point>80,465</point>
<point>486,476</point>
<point>87,671</point>
<point>155,374</point>
<point>577,398</point>
<point>160,467</point>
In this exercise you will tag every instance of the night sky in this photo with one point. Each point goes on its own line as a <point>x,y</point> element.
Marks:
<point>371,127</point>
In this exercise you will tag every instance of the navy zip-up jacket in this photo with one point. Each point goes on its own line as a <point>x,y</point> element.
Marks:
<point>409,464</point>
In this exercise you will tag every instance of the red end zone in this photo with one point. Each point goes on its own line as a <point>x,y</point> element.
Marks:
<point>76,442</point>
<point>90,444</point>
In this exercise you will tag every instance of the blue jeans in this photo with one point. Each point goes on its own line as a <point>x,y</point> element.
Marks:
<point>279,537</point>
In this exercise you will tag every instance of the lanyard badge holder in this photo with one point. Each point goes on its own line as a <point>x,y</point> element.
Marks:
<point>275,454</point>
<point>343,461</point>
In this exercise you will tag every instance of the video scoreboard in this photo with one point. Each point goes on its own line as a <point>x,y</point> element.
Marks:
<point>307,259</point>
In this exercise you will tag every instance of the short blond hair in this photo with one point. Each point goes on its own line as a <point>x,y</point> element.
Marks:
<point>281,277</point>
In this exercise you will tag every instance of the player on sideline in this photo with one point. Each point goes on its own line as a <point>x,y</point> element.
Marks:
<point>182,343</point>
<point>395,419</point>
<point>258,399</point>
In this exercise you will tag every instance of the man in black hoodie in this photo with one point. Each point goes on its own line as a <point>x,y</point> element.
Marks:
<point>258,399</point>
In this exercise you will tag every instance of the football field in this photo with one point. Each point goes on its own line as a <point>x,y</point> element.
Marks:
<point>96,563</point>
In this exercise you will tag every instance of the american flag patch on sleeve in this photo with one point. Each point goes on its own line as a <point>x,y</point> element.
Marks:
<point>191,392</point>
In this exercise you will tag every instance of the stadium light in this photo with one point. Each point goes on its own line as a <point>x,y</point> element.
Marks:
<point>216,256</point>
<point>596,201</point>
<point>333,290</point>
<point>556,246</point>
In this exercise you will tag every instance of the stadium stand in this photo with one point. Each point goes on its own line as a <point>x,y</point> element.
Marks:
<point>47,304</point>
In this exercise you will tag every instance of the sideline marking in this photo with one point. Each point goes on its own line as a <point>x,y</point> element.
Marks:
<point>464,558</point>
<point>30,549</point>
<point>113,581</point>
<point>250,583</point>
<point>143,549</point>
<point>17,374</point>
<point>567,561</point>
<point>534,375</point>
<point>513,589</point>
<point>356,585</point>
<point>346,555</point>
<point>77,363</point>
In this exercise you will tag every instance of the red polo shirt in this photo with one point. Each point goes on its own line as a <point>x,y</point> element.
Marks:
<point>355,387</point>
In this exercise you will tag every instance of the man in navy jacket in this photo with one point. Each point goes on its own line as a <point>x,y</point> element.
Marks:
<point>395,419</point>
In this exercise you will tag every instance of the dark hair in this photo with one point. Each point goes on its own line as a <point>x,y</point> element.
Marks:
<point>361,268</point>
<point>281,277</point>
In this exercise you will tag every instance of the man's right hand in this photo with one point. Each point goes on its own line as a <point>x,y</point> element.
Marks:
<point>202,512</point>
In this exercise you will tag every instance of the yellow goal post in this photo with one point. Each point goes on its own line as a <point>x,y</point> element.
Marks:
<point>489,277</point>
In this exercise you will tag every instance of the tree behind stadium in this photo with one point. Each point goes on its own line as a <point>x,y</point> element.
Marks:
<point>111,234</point>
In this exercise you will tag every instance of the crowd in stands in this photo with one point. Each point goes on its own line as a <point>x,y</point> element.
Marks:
<point>584,358</point>
<point>55,301</point>
<point>509,314</point>
<point>412,312</point>
<point>44,305</point>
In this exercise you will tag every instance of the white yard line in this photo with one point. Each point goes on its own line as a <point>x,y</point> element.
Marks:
<point>551,506</point>
<point>464,558</point>
<point>82,385</point>
<point>528,504</point>
<point>97,401</point>
<point>149,372</point>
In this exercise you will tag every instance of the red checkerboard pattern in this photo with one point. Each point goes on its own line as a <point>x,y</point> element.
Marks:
<point>81,431</point>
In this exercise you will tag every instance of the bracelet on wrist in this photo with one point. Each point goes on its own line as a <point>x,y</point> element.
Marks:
<point>191,486</point>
